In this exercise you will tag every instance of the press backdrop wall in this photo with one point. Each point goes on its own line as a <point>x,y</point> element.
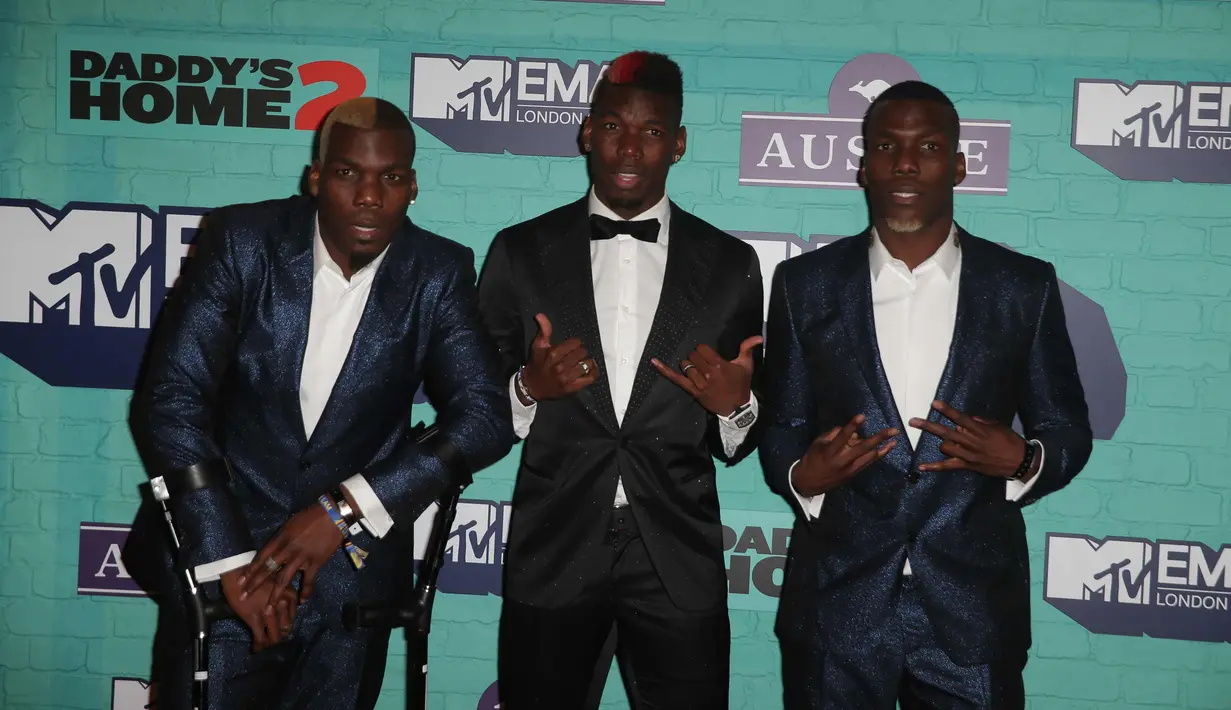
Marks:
<point>1152,257</point>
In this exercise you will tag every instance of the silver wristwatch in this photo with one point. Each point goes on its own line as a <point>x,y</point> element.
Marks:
<point>742,417</point>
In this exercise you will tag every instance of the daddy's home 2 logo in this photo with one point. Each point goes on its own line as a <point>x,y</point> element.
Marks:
<point>523,106</point>
<point>253,93</point>
<point>824,150</point>
<point>1155,130</point>
<point>1137,587</point>
<point>754,545</point>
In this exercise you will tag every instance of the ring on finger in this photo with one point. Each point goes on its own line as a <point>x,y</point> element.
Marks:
<point>686,368</point>
<point>272,565</point>
<point>585,368</point>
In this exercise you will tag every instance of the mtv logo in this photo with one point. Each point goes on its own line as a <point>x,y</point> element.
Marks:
<point>1144,115</point>
<point>1083,568</point>
<point>474,552</point>
<point>133,694</point>
<point>78,267</point>
<point>447,87</point>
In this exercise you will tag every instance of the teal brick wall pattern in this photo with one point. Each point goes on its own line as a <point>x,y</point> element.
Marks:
<point>1156,256</point>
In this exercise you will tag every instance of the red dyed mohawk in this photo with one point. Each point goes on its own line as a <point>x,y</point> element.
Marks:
<point>649,71</point>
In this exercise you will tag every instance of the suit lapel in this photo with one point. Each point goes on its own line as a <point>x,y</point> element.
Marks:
<point>974,317</point>
<point>372,332</point>
<point>295,256</point>
<point>857,316</point>
<point>564,262</point>
<point>689,267</point>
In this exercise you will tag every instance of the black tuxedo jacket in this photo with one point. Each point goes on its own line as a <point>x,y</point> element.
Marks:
<point>1010,355</point>
<point>712,293</point>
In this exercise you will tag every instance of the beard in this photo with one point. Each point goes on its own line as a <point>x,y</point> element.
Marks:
<point>904,226</point>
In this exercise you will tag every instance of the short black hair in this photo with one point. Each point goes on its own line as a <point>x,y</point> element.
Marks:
<point>648,71</point>
<point>916,91</point>
<point>366,113</point>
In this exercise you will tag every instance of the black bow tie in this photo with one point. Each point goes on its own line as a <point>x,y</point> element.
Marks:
<point>605,228</point>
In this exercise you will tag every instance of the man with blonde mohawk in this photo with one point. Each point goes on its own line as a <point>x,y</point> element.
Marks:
<point>628,331</point>
<point>292,348</point>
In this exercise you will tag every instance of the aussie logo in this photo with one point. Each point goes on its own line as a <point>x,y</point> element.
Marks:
<point>523,106</point>
<point>204,90</point>
<point>1137,587</point>
<point>1155,130</point>
<point>824,150</point>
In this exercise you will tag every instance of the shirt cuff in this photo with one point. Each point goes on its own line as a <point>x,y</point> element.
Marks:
<point>372,514</point>
<point>811,506</point>
<point>733,435</point>
<point>211,571</point>
<point>523,416</point>
<point>1016,490</point>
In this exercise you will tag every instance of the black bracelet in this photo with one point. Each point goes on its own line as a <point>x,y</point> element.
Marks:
<point>1027,461</point>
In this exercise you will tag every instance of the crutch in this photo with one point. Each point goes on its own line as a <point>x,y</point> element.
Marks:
<point>204,611</point>
<point>415,614</point>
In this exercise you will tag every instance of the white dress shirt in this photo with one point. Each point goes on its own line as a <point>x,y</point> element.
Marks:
<point>915,314</point>
<point>337,306</point>
<point>628,280</point>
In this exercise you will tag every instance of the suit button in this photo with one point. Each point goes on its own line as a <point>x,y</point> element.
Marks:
<point>304,464</point>
<point>912,476</point>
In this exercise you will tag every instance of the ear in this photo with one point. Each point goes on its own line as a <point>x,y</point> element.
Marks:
<point>314,178</point>
<point>681,143</point>
<point>586,128</point>
<point>959,169</point>
<point>861,176</point>
<point>414,185</point>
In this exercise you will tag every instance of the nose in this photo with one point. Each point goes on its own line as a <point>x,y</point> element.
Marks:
<point>905,162</point>
<point>630,144</point>
<point>368,193</point>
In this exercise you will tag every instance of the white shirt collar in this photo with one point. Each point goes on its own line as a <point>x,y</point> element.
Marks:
<point>322,260</point>
<point>946,257</point>
<point>661,211</point>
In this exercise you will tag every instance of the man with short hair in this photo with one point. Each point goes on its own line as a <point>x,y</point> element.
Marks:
<point>594,306</point>
<point>896,361</point>
<point>293,347</point>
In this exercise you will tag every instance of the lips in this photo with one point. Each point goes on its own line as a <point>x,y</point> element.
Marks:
<point>626,180</point>
<point>364,231</point>
<point>905,194</point>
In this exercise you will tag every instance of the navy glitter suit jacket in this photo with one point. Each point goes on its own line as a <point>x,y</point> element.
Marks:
<point>1010,355</point>
<point>223,380</point>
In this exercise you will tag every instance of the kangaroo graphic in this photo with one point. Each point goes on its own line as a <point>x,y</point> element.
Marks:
<point>873,89</point>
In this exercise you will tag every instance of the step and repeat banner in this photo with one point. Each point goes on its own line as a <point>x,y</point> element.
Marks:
<point>1097,136</point>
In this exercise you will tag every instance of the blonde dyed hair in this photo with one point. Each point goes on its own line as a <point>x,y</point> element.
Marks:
<point>365,113</point>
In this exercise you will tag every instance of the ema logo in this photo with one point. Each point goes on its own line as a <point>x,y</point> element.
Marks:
<point>824,150</point>
<point>1099,363</point>
<point>133,694</point>
<point>149,88</point>
<point>497,104</point>
<point>1155,130</point>
<point>1136,587</point>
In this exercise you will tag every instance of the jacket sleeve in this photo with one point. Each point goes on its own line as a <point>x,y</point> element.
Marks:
<point>1053,402</point>
<point>791,409</point>
<point>174,407</point>
<point>463,384</point>
<point>746,322</point>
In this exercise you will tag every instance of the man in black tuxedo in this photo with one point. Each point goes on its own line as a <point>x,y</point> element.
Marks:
<point>615,512</point>
<point>293,347</point>
<point>896,361</point>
